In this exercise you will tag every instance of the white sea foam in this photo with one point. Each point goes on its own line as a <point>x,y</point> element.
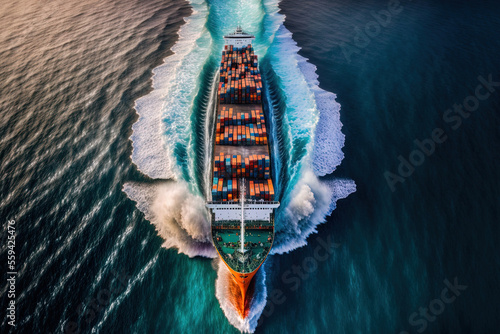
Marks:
<point>310,109</point>
<point>312,200</point>
<point>328,136</point>
<point>179,216</point>
<point>164,113</point>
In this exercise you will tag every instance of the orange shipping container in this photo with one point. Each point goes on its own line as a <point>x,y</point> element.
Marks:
<point>271,190</point>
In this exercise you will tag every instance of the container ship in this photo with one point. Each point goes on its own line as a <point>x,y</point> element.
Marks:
<point>242,201</point>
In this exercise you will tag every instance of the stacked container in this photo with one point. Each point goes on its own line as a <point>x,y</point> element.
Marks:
<point>261,190</point>
<point>240,83</point>
<point>240,80</point>
<point>225,189</point>
<point>228,189</point>
<point>256,166</point>
<point>240,128</point>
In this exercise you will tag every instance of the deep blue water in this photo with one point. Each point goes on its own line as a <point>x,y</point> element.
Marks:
<point>69,78</point>
<point>442,222</point>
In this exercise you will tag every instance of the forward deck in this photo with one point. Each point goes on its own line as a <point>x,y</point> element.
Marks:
<point>258,240</point>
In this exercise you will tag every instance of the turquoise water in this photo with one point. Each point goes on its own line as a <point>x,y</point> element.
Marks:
<point>104,103</point>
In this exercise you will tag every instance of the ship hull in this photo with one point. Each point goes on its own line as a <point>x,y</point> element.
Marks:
<point>242,283</point>
<point>242,222</point>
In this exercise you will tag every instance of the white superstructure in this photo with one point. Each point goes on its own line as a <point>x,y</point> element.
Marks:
<point>239,38</point>
<point>253,210</point>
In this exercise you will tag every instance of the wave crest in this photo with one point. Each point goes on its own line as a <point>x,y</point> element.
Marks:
<point>312,200</point>
<point>179,216</point>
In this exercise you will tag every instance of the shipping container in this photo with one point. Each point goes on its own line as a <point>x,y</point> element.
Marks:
<point>271,189</point>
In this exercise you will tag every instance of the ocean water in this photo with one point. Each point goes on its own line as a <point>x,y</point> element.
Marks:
<point>104,142</point>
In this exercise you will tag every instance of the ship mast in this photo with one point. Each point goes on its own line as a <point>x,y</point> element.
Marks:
<point>242,232</point>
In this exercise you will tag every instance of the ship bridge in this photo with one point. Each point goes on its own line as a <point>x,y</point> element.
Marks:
<point>253,210</point>
<point>239,38</point>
